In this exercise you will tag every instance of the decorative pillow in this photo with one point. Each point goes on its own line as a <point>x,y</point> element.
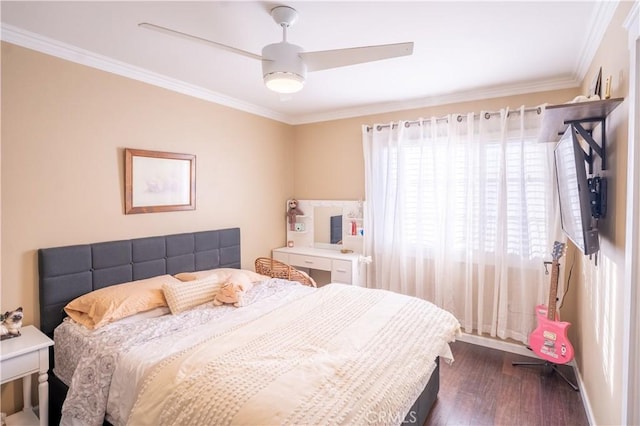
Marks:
<point>185,295</point>
<point>222,274</point>
<point>103,306</point>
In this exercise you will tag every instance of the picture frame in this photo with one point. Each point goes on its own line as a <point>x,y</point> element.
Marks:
<point>158,181</point>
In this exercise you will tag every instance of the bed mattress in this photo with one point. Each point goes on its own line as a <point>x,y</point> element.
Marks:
<point>293,354</point>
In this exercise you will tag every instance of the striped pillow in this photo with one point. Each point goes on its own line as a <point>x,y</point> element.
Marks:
<point>185,295</point>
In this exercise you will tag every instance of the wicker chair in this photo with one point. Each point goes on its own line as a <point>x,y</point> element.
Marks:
<point>276,269</point>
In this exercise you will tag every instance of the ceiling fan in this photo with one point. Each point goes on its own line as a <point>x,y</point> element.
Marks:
<point>285,65</point>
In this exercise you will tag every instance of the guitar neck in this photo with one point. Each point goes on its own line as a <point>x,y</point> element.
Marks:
<point>553,290</point>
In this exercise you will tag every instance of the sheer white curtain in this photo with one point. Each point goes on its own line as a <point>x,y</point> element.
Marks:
<point>461,211</point>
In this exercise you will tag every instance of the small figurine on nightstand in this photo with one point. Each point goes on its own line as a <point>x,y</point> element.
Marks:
<point>11,323</point>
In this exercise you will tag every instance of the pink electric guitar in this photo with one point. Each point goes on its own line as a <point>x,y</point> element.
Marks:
<point>549,339</point>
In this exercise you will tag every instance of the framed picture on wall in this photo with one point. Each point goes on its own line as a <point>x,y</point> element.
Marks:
<point>157,181</point>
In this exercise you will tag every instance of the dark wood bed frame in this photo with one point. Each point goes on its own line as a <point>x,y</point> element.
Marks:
<point>71,271</point>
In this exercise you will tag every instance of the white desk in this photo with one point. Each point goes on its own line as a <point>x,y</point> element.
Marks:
<point>21,357</point>
<point>344,267</point>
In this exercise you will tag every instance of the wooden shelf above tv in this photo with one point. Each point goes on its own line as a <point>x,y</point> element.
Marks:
<point>557,117</point>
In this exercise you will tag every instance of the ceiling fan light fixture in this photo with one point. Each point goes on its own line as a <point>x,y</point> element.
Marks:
<point>285,65</point>
<point>284,82</point>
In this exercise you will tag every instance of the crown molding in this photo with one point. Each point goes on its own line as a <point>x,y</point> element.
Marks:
<point>630,23</point>
<point>49,46</point>
<point>444,99</point>
<point>598,24</point>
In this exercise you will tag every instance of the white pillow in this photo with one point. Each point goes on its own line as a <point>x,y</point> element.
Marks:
<point>185,295</point>
<point>153,313</point>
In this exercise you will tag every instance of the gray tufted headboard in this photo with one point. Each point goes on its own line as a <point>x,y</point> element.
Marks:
<point>70,271</point>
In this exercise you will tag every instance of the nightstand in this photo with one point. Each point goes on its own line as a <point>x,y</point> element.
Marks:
<point>21,357</point>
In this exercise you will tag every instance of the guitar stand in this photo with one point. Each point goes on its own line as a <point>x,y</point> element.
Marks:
<point>548,369</point>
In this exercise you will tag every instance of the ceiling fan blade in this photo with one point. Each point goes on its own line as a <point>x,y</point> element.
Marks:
<point>200,39</point>
<point>326,59</point>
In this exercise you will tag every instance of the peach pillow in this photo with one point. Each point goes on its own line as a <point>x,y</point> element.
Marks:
<point>109,304</point>
<point>221,274</point>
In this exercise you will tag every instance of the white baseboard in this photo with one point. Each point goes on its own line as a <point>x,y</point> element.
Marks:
<point>585,399</point>
<point>501,345</point>
<point>521,349</point>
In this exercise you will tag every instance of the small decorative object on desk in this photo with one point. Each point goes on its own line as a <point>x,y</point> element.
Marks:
<point>11,324</point>
<point>290,243</point>
<point>292,212</point>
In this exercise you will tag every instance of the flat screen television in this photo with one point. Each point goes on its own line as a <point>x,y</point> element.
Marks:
<point>579,196</point>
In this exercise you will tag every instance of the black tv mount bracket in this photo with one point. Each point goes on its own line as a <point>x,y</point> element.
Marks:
<point>597,185</point>
<point>598,196</point>
<point>594,148</point>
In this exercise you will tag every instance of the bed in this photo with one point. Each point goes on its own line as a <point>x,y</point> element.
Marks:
<point>278,359</point>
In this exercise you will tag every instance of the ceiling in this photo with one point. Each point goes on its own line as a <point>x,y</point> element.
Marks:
<point>462,51</point>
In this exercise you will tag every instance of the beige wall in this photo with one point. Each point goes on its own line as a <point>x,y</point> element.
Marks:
<point>64,127</point>
<point>598,328</point>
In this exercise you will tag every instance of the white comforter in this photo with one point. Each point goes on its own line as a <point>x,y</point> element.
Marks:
<point>335,355</point>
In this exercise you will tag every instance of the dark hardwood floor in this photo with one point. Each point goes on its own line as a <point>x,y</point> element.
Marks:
<point>482,388</point>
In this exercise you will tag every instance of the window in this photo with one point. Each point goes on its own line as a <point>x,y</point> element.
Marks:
<point>459,189</point>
